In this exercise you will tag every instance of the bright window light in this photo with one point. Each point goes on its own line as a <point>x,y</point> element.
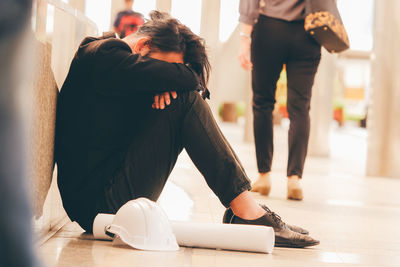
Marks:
<point>188,12</point>
<point>99,12</point>
<point>50,19</point>
<point>144,6</point>
<point>229,18</point>
<point>359,27</point>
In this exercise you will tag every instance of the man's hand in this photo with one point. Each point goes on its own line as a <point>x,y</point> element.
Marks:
<point>164,99</point>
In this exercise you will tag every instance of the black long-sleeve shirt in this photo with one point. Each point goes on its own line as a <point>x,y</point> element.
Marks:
<point>101,107</point>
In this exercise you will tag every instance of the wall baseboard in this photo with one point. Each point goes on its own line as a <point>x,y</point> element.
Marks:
<point>44,235</point>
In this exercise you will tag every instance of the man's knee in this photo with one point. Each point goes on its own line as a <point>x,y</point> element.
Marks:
<point>190,96</point>
<point>187,99</point>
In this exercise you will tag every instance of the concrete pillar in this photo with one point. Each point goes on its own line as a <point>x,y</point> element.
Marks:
<point>78,4</point>
<point>233,82</point>
<point>383,158</point>
<point>248,126</point>
<point>41,15</point>
<point>322,106</point>
<point>209,30</point>
<point>164,5</point>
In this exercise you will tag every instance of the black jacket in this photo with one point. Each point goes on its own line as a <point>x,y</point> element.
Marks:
<point>102,105</point>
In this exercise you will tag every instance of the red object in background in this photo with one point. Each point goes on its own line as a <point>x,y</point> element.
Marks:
<point>338,116</point>
<point>129,24</point>
<point>283,111</point>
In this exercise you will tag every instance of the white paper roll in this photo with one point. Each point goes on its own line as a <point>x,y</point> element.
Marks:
<point>252,238</point>
<point>99,226</point>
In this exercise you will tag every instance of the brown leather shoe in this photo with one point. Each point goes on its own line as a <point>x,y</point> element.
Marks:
<point>284,236</point>
<point>294,228</point>
<point>229,214</point>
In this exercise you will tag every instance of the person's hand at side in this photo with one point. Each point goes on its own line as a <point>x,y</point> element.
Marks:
<point>245,44</point>
<point>164,99</point>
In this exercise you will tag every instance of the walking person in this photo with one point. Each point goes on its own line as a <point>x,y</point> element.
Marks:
<point>272,34</point>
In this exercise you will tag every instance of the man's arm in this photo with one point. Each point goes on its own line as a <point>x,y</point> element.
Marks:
<point>127,73</point>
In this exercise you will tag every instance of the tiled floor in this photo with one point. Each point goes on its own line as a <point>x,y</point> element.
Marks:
<point>355,217</point>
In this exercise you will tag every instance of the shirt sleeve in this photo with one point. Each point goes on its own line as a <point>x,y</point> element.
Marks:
<point>122,73</point>
<point>249,11</point>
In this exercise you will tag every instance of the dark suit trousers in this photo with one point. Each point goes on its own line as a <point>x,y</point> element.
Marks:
<point>186,124</point>
<point>274,43</point>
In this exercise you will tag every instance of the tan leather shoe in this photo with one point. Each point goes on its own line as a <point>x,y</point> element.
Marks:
<point>294,190</point>
<point>262,185</point>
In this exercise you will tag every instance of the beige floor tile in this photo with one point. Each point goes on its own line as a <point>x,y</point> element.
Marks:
<point>355,217</point>
<point>374,260</point>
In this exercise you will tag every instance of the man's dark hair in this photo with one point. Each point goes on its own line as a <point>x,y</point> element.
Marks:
<point>167,34</point>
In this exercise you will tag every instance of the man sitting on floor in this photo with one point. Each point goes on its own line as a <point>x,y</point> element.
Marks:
<point>128,108</point>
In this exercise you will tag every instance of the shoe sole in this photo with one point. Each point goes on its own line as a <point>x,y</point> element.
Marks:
<point>293,245</point>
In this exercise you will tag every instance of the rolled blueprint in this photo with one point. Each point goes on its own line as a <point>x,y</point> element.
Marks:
<point>253,238</point>
<point>100,223</point>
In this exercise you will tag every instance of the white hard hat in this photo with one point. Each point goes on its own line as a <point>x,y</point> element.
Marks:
<point>142,224</point>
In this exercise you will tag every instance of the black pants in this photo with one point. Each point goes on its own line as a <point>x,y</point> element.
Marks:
<point>274,43</point>
<point>186,124</point>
